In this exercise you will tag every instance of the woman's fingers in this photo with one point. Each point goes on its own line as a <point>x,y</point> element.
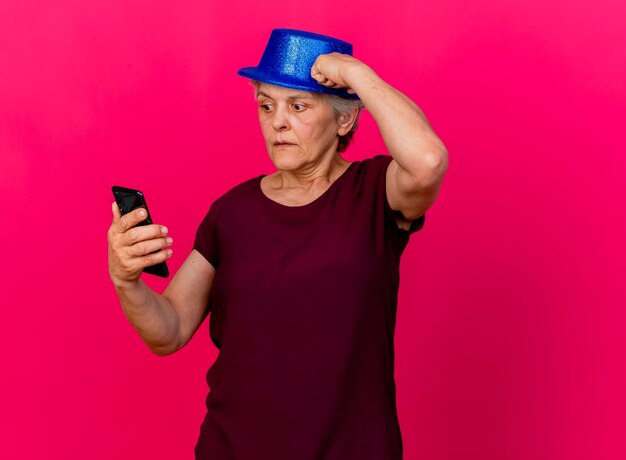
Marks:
<point>143,248</point>
<point>153,259</point>
<point>133,248</point>
<point>138,247</point>
<point>142,233</point>
<point>116,212</point>
<point>129,220</point>
<point>322,80</point>
<point>127,262</point>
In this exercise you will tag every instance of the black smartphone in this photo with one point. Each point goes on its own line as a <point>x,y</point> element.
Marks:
<point>128,199</point>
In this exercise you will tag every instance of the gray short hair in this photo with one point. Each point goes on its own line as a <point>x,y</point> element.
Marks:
<point>341,106</point>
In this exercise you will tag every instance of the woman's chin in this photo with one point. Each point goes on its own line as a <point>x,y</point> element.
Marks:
<point>285,158</point>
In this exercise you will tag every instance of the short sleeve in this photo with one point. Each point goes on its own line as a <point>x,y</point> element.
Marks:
<point>206,241</point>
<point>390,214</point>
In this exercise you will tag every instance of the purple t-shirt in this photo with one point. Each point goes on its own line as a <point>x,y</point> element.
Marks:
<point>303,311</point>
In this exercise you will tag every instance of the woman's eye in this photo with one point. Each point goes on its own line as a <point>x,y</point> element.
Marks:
<point>297,107</point>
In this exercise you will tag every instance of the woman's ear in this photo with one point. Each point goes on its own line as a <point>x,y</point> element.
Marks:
<point>346,122</point>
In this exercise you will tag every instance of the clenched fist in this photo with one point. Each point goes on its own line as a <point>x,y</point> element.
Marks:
<point>334,70</point>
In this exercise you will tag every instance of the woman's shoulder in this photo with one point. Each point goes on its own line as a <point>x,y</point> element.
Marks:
<point>372,167</point>
<point>374,161</point>
<point>234,196</point>
<point>380,159</point>
<point>241,189</point>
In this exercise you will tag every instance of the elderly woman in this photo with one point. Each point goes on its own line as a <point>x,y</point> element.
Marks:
<point>299,268</point>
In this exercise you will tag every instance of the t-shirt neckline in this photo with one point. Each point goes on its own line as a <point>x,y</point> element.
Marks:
<point>303,206</point>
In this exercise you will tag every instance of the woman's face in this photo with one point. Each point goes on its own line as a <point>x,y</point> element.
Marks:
<point>300,129</point>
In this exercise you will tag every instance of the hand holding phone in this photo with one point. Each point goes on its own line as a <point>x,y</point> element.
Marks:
<point>136,244</point>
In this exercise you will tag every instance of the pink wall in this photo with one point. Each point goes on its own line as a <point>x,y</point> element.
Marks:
<point>510,337</point>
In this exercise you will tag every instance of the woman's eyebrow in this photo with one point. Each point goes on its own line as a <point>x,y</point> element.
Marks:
<point>292,97</point>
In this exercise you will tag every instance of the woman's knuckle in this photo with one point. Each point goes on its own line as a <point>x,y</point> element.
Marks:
<point>149,260</point>
<point>132,235</point>
<point>123,267</point>
<point>112,236</point>
<point>129,267</point>
<point>115,245</point>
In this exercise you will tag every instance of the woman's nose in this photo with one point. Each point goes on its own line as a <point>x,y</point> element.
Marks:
<point>280,121</point>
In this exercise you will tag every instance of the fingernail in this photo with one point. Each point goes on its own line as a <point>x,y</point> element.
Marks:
<point>142,213</point>
<point>164,230</point>
<point>169,252</point>
<point>169,240</point>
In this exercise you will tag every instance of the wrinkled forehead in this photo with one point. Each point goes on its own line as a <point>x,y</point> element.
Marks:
<point>282,92</point>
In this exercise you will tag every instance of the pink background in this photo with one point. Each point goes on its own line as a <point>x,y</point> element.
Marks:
<point>510,336</point>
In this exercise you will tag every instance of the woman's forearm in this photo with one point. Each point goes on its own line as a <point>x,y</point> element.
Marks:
<point>407,133</point>
<point>152,315</point>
